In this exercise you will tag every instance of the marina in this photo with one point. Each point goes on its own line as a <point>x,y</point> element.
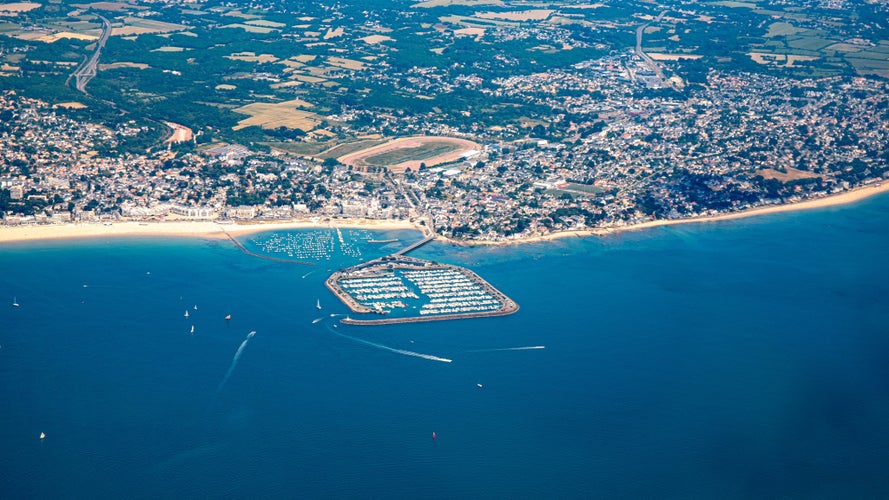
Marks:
<point>311,246</point>
<point>408,290</point>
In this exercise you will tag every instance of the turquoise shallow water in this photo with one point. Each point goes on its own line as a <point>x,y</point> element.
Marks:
<point>733,360</point>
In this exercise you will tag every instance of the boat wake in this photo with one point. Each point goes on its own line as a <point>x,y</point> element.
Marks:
<point>523,348</point>
<point>234,362</point>
<point>392,349</point>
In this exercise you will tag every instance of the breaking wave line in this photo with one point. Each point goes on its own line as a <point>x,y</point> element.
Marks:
<point>392,349</point>
<point>523,348</point>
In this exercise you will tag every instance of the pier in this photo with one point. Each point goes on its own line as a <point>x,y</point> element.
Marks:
<point>405,250</point>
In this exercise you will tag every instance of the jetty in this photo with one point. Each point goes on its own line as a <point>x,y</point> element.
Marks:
<point>266,257</point>
<point>410,248</point>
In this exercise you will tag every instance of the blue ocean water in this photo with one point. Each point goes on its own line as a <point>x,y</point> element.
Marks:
<point>738,359</point>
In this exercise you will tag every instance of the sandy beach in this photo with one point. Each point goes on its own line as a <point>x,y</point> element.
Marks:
<point>192,229</point>
<point>209,229</point>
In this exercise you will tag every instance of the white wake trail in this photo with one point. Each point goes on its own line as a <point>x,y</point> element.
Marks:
<point>392,349</point>
<point>234,362</point>
<point>523,348</point>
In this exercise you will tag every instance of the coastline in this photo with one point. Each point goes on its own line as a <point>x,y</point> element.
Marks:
<point>179,228</point>
<point>839,199</point>
<point>215,230</point>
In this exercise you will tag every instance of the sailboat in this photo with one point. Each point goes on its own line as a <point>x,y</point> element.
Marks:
<point>228,317</point>
<point>192,329</point>
<point>318,304</point>
<point>15,303</point>
<point>42,436</point>
<point>195,307</point>
<point>186,314</point>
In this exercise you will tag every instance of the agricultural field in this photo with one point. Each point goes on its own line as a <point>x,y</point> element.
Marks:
<point>55,37</point>
<point>119,65</point>
<point>780,60</point>
<point>517,15</point>
<point>251,28</point>
<point>783,29</point>
<point>342,62</point>
<point>109,6</point>
<point>283,114</point>
<point>14,9</point>
<point>374,39</point>
<point>251,57</point>
<point>138,26</point>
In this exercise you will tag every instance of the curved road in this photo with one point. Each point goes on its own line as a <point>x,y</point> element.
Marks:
<point>87,71</point>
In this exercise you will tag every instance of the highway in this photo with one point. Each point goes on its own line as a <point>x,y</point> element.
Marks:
<point>651,63</point>
<point>87,70</point>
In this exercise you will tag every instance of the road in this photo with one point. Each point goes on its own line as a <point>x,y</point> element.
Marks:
<point>87,71</point>
<point>651,63</point>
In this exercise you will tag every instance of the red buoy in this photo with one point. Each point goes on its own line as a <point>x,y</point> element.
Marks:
<point>434,436</point>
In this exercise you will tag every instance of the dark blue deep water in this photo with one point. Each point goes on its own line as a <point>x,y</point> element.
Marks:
<point>742,359</point>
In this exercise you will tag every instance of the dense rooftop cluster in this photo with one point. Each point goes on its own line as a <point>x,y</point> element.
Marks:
<point>740,141</point>
<point>577,127</point>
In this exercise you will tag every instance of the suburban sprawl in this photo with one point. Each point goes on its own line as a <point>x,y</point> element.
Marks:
<point>481,119</point>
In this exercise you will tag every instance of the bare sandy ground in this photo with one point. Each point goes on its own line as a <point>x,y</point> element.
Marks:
<point>181,133</point>
<point>192,229</point>
<point>206,229</point>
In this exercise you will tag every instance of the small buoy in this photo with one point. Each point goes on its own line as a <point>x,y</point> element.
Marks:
<point>42,436</point>
<point>434,436</point>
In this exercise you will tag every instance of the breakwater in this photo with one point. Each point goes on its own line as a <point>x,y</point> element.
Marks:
<point>408,290</point>
<point>266,257</point>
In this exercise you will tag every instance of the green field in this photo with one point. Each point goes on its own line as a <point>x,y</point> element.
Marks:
<point>812,43</point>
<point>349,147</point>
<point>418,153</point>
<point>298,148</point>
<point>783,29</point>
<point>577,190</point>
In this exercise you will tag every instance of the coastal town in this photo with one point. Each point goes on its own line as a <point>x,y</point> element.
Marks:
<point>625,137</point>
<point>739,142</point>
